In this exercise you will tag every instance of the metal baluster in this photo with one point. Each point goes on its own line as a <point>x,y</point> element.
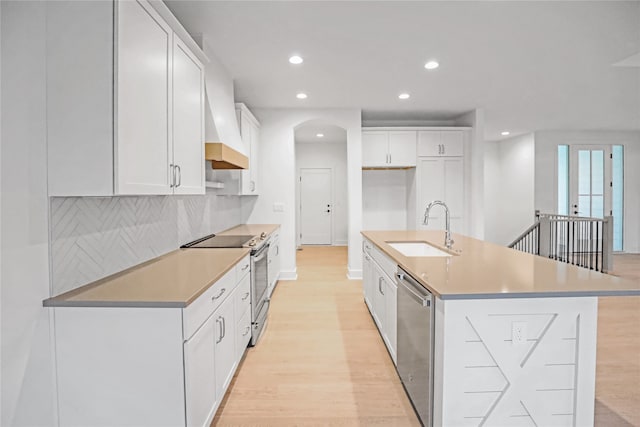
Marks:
<point>573,244</point>
<point>597,244</point>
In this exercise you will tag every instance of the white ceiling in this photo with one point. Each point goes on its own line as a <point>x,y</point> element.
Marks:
<point>308,133</point>
<point>529,65</point>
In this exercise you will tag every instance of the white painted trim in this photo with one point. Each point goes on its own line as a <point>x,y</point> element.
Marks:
<point>353,274</point>
<point>340,243</point>
<point>288,274</point>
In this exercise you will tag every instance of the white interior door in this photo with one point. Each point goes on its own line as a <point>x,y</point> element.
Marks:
<point>590,178</point>
<point>316,206</point>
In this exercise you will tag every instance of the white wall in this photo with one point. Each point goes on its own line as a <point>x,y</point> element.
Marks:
<point>474,167</point>
<point>384,199</point>
<point>509,188</point>
<point>331,155</point>
<point>26,367</point>
<point>546,144</point>
<point>278,174</point>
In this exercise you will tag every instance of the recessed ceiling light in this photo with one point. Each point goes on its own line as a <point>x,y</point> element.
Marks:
<point>320,135</point>
<point>505,133</point>
<point>404,96</point>
<point>295,59</point>
<point>431,65</point>
<point>301,95</point>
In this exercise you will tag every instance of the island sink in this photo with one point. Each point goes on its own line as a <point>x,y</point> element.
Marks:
<point>418,249</point>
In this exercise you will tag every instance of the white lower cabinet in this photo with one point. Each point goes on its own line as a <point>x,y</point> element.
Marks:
<point>380,291</point>
<point>243,334</point>
<point>200,375</point>
<point>225,351</point>
<point>273,270</point>
<point>152,366</point>
<point>367,280</point>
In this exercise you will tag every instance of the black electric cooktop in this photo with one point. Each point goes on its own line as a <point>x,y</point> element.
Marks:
<point>213,241</point>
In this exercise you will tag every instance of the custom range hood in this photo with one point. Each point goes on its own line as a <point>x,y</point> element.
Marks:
<point>224,146</point>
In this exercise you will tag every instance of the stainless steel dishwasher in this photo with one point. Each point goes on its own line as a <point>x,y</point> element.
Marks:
<point>415,344</point>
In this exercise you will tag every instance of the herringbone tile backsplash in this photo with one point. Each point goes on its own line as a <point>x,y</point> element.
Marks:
<point>93,237</point>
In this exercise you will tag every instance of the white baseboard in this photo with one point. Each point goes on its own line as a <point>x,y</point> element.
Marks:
<point>340,243</point>
<point>354,274</point>
<point>288,275</point>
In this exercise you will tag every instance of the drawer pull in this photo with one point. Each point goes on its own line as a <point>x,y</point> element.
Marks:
<point>222,291</point>
<point>246,331</point>
<point>245,296</point>
<point>245,267</point>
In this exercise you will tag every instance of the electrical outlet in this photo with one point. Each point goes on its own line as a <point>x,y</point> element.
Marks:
<point>518,333</point>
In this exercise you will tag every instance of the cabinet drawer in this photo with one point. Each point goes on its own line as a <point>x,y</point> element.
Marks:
<point>243,295</point>
<point>198,311</point>
<point>243,267</point>
<point>386,264</point>
<point>243,334</point>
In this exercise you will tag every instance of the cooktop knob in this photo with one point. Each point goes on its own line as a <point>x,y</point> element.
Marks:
<point>252,243</point>
<point>263,236</point>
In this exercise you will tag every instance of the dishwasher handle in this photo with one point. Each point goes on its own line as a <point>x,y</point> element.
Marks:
<point>414,288</point>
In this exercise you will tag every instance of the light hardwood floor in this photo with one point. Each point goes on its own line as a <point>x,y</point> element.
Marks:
<point>322,362</point>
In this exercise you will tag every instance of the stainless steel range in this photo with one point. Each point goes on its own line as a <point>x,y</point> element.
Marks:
<point>259,273</point>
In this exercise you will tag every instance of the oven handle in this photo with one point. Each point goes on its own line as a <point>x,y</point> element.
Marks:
<point>409,284</point>
<point>261,253</point>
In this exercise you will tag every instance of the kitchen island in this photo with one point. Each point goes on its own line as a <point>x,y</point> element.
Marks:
<point>513,335</point>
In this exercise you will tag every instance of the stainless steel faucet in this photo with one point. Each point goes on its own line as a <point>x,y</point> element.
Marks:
<point>448,241</point>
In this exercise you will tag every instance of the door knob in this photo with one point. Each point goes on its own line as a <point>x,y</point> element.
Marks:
<point>328,210</point>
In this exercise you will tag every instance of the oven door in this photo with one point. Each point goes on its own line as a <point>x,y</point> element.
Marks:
<point>259,281</point>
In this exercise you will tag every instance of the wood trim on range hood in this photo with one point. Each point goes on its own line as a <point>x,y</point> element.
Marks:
<point>224,157</point>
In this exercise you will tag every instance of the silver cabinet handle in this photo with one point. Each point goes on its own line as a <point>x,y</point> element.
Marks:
<point>246,331</point>
<point>367,258</point>
<point>277,250</point>
<point>219,323</point>
<point>224,327</point>
<point>222,291</point>
<point>380,279</point>
<point>179,176</point>
<point>253,186</point>
<point>245,296</point>
<point>173,175</point>
<point>245,267</point>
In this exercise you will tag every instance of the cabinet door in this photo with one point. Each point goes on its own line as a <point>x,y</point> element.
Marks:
<point>254,168</point>
<point>402,148</point>
<point>379,306</point>
<point>243,334</point>
<point>391,319</point>
<point>143,145</point>
<point>429,143</point>
<point>430,177</point>
<point>375,148</point>
<point>367,279</point>
<point>225,345</point>
<point>453,172</point>
<point>452,142</point>
<point>188,110</point>
<point>200,381</point>
<point>273,270</point>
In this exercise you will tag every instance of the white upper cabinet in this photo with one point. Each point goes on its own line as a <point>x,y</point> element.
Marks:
<point>388,148</point>
<point>188,120</point>
<point>250,133</point>
<point>125,101</point>
<point>143,145</point>
<point>434,143</point>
